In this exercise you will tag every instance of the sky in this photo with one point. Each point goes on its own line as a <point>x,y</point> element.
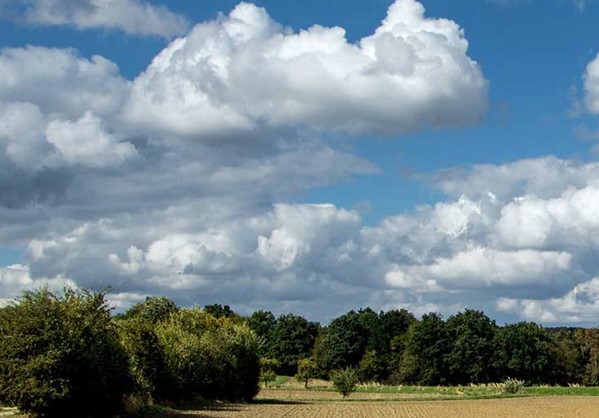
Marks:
<point>304,156</point>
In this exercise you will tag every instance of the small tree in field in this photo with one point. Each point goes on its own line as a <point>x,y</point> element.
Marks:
<point>344,381</point>
<point>306,370</point>
<point>267,370</point>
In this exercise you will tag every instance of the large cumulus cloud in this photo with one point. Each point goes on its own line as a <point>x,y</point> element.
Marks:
<point>245,71</point>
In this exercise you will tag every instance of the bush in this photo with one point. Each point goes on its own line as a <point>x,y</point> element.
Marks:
<point>60,353</point>
<point>344,381</point>
<point>146,359</point>
<point>512,386</point>
<point>208,357</point>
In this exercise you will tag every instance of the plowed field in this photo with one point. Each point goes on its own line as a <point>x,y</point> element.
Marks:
<point>553,407</point>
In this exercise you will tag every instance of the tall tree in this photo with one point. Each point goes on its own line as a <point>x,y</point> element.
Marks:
<point>344,343</point>
<point>526,351</point>
<point>427,346</point>
<point>472,354</point>
<point>292,339</point>
<point>263,323</point>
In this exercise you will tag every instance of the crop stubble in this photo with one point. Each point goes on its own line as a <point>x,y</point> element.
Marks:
<point>547,407</point>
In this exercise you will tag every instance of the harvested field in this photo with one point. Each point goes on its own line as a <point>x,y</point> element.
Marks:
<point>553,407</point>
<point>322,395</point>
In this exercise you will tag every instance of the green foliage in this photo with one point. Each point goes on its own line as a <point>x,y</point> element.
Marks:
<point>292,339</point>
<point>60,352</point>
<point>427,346</point>
<point>472,352</point>
<point>306,370</point>
<point>344,343</point>
<point>571,356</point>
<point>512,386</point>
<point>152,310</point>
<point>344,380</point>
<point>262,323</point>
<point>526,351</point>
<point>371,367</point>
<point>220,311</point>
<point>210,357</point>
<point>146,359</point>
<point>268,367</point>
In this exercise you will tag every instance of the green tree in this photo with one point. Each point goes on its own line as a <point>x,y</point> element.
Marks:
<point>60,352</point>
<point>427,345</point>
<point>268,367</point>
<point>344,343</point>
<point>292,339</point>
<point>371,367</point>
<point>152,310</point>
<point>472,353</point>
<point>527,352</point>
<point>220,311</point>
<point>306,370</point>
<point>263,323</point>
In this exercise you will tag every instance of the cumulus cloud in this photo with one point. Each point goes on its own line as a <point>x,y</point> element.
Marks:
<point>56,117</point>
<point>61,81</point>
<point>130,16</point>
<point>185,181</point>
<point>245,71</point>
<point>581,304</point>
<point>319,259</point>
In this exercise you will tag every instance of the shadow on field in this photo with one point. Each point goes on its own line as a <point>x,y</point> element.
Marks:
<point>203,411</point>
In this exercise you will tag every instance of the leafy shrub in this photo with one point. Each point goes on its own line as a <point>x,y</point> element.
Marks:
<point>208,357</point>
<point>344,380</point>
<point>61,353</point>
<point>146,359</point>
<point>512,386</point>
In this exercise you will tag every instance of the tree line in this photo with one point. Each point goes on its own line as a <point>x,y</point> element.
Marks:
<point>61,352</point>
<point>396,348</point>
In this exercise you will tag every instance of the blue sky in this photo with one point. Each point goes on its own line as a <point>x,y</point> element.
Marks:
<point>448,161</point>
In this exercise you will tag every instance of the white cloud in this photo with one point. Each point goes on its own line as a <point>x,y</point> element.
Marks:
<point>60,81</point>
<point>482,267</point>
<point>86,142</point>
<point>183,182</point>
<point>136,17</point>
<point>570,219</point>
<point>245,71</point>
<point>581,304</point>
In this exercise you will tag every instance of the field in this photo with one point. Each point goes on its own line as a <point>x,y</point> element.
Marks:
<point>289,399</point>
<point>544,407</point>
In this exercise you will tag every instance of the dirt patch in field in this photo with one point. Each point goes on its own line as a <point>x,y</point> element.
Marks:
<point>554,407</point>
